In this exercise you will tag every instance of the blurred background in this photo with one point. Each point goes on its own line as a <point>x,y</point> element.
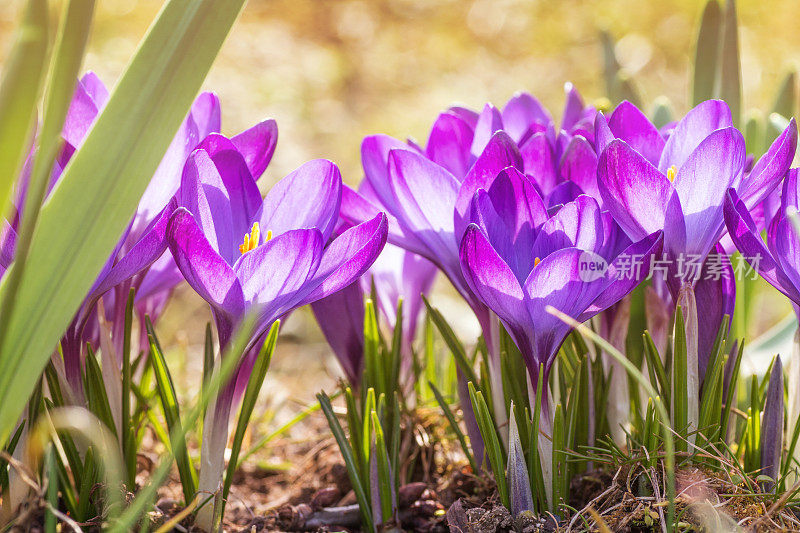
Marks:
<point>332,71</point>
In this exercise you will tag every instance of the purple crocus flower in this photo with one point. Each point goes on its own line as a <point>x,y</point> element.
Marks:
<point>777,260</point>
<point>518,260</point>
<point>395,274</point>
<point>242,253</point>
<point>682,193</point>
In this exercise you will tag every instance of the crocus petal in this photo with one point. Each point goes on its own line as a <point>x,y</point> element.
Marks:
<point>625,273</point>
<point>701,183</point>
<point>142,254</point>
<point>635,192</point>
<point>467,115</point>
<point>563,193</point>
<point>273,276</point>
<point>224,215</point>
<point>357,208</point>
<point>491,279</point>
<point>489,122</point>
<point>790,195</point>
<point>521,112</point>
<point>579,165</point>
<point>426,194</point>
<point>516,200</point>
<point>602,133</point>
<point>770,168</point>
<point>375,160</point>
<point>8,246</point>
<point>510,214</point>
<point>202,267</point>
<point>577,224</point>
<point>573,107</point>
<point>235,175</point>
<point>747,238</point>
<point>539,161</point>
<point>257,145</point>
<point>95,88</point>
<point>341,318</point>
<point>449,144</point>
<point>786,248</point>
<point>628,123</point>
<point>698,124</point>
<point>309,197</point>
<point>501,152</point>
<point>557,281</point>
<point>347,258</point>
<point>90,96</point>
<point>162,276</point>
<point>715,294</point>
<point>203,119</point>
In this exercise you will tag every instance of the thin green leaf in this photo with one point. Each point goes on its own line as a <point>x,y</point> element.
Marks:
<point>786,97</point>
<point>729,397</point>
<point>707,53</point>
<point>127,430</point>
<point>23,76</point>
<point>730,71</point>
<point>559,469</point>
<point>385,482</point>
<point>680,392</point>
<point>656,366</point>
<point>95,390</point>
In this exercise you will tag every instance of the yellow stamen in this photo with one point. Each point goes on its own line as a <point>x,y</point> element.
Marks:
<point>269,235</point>
<point>671,171</point>
<point>536,261</point>
<point>251,240</point>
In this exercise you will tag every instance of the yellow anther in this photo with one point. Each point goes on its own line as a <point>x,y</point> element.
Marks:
<point>671,171</point>
<point>269,235</point>
<point>536,261</point>
<point>251,240</point>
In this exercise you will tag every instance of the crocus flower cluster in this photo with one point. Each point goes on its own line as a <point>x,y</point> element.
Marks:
<point>518,212</point>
